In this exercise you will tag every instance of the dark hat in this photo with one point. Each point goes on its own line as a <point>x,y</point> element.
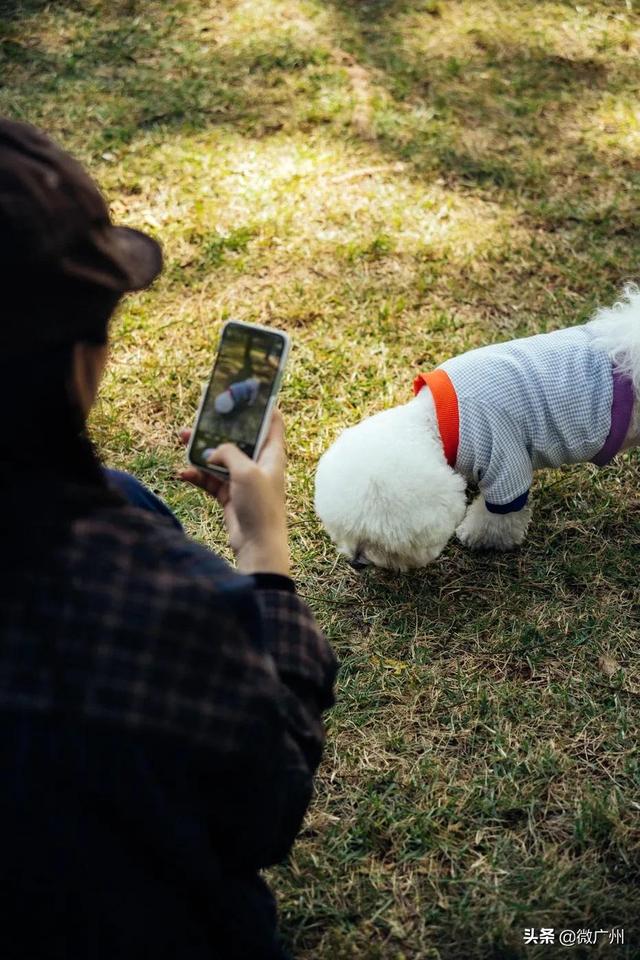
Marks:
<point>62,261</point>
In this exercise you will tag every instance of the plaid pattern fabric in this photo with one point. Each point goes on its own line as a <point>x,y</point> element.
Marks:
<point>131,623</point>
<point>541,401</point>
<point>161,724</point>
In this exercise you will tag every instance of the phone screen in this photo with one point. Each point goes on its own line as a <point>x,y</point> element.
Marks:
<point>238,394</point>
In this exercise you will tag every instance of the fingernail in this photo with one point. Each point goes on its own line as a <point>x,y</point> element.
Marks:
<point>209,452</point>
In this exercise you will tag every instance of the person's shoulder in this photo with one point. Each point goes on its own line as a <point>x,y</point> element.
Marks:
<point>151,548</point>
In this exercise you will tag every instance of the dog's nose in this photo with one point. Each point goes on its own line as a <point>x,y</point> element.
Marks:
<point>358,564</point>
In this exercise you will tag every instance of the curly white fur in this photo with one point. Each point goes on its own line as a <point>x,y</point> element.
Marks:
<point>385,492</point>
<point>482,530</point>
<point>617,330</point>
<point>387,496</point>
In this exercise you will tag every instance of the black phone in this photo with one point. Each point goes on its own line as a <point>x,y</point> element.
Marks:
<point>238,401</point>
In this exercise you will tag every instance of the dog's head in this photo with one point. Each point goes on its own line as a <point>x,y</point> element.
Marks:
<point>385,493</point>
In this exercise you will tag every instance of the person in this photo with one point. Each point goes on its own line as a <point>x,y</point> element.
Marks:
<point>160,710</point>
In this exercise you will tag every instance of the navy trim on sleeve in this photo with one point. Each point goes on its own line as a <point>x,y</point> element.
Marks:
<point>137,495</point>
<point>512,507</point>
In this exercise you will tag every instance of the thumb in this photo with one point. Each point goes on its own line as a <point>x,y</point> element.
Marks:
<point>229,456</point>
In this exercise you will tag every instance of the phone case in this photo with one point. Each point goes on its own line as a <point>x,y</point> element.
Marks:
<point>264,429</point>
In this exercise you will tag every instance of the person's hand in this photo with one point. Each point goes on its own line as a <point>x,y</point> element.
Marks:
<point>253,500</point>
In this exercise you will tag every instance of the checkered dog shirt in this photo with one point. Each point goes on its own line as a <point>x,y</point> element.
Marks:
<point>541,401</point>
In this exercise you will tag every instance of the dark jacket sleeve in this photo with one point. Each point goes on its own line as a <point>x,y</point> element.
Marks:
<point>260,786</point>
<point>305,663</point>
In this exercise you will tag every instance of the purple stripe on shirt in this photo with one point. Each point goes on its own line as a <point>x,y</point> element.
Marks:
<point>621,409</point>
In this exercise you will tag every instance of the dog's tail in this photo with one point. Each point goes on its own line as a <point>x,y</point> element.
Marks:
<point>617,330</point>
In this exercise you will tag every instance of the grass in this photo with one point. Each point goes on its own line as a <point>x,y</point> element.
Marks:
<point>393,182</point>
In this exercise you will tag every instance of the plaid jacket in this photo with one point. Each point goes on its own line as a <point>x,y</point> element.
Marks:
<point>161,718</point>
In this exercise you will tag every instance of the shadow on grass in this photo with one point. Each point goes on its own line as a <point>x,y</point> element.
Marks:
<point>15,9</point>
<point>146,73</point>
<point>495,120</point>
<point>19,9</point>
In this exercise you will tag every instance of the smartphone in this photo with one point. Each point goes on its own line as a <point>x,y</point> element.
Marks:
<point>238,401</point>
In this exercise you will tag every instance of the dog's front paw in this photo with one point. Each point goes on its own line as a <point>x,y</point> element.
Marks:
<point>483,530</point>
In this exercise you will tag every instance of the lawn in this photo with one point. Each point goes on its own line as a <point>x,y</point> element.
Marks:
<point>393,182</point>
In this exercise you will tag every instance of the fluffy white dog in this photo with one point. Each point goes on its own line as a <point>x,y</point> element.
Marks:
<point>391,490</point>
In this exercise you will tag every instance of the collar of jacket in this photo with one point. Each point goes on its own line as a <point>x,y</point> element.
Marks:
<point>445,401</point>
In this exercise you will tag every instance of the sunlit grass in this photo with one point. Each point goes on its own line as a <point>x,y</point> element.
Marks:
<point>392,182</point>
<point>616,128</point>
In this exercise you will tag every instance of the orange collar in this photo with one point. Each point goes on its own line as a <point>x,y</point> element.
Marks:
<point>446,403</point>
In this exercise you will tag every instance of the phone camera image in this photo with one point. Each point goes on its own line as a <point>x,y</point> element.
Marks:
<point>238,394</point>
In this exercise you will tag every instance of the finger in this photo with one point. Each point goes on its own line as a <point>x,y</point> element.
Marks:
<point>185,435</point>
<point>276,428</point>
<point>196,477</point>
<point>273,454</point>
<point>206,481</point>
<point>229,456</point>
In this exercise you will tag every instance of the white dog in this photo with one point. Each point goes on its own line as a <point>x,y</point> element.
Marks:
<point>391,490</point>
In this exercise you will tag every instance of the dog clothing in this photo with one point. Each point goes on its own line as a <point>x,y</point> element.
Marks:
<point>242,393</point>
<point>508,409</point>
